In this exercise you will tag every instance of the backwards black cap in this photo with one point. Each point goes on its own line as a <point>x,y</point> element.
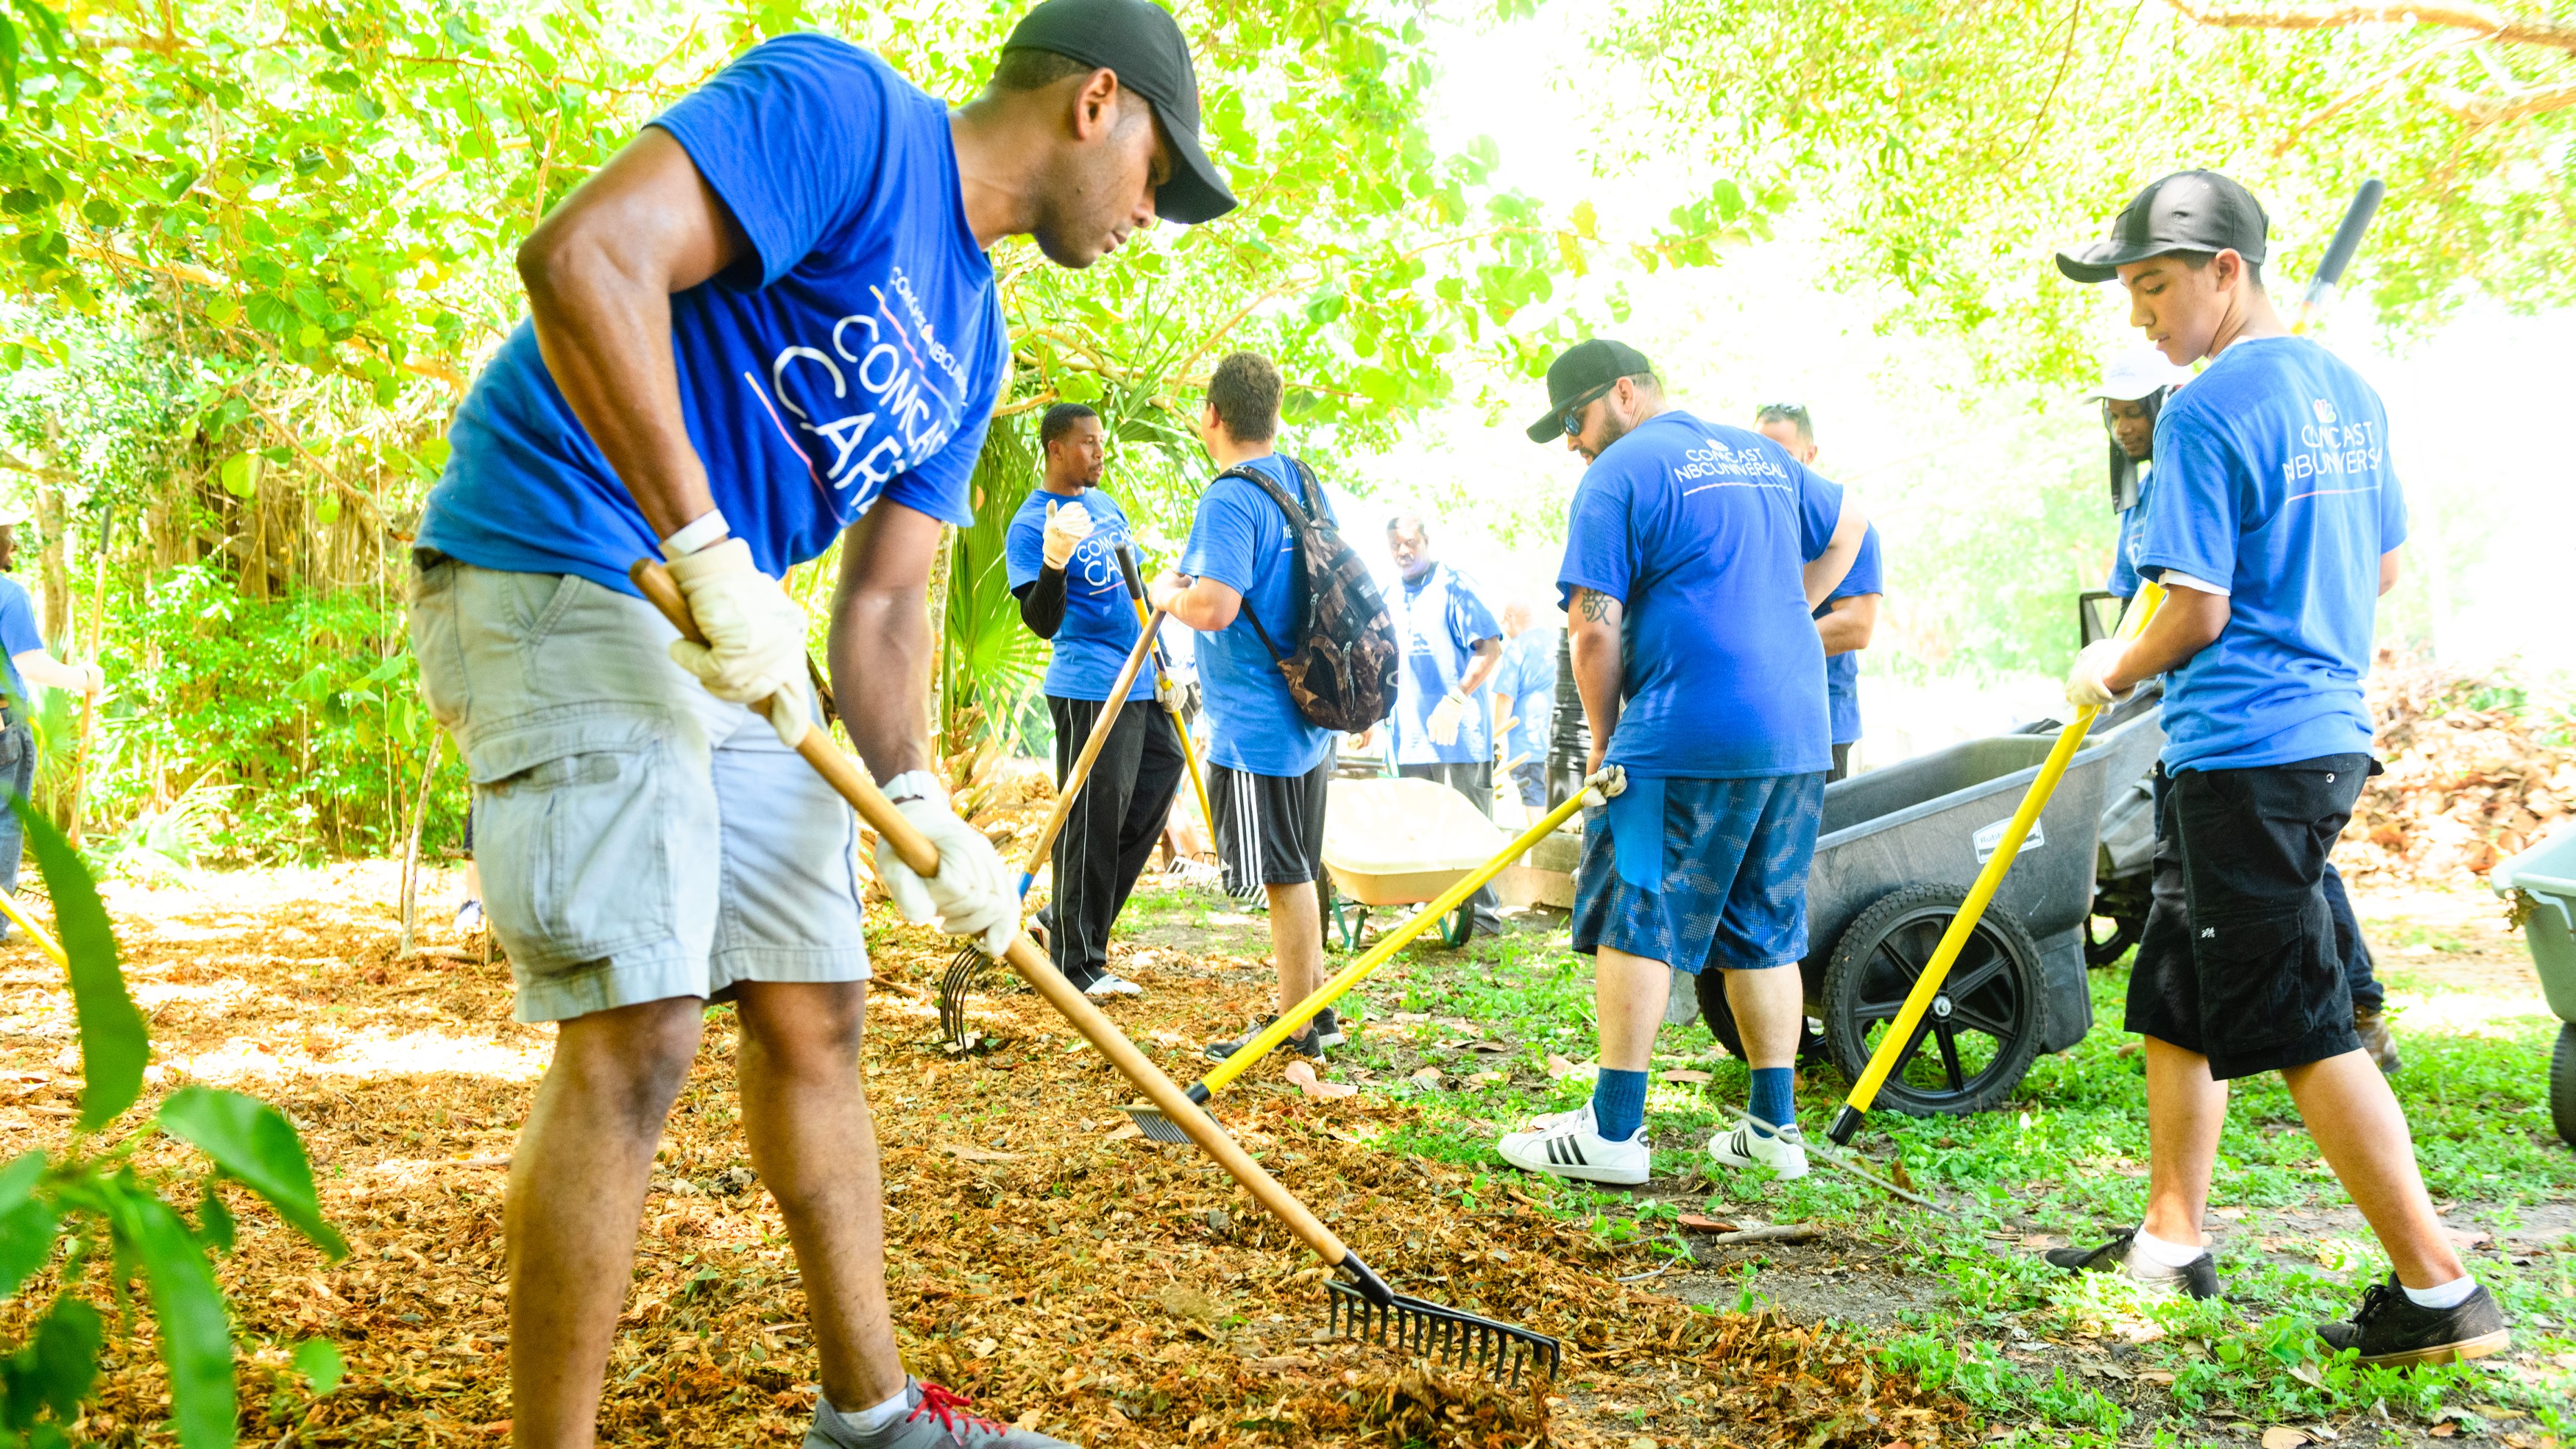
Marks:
<point>1142,43</point>
<point>2189,211</point>
<point>1587,368</point>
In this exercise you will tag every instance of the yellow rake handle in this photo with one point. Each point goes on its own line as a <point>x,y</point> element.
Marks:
<point>35,933</point>
<point>852,783</point>
<point>1927,987</point>
<point>1269,1037</point>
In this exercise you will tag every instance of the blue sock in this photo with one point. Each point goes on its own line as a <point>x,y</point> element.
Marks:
<point>1772,1101</point>
<point>1619,1103</point>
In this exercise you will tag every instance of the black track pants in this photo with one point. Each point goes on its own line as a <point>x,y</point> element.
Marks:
<point>1113,828</point>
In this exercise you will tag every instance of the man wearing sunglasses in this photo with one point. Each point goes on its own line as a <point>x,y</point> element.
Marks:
<point>1693,556</point>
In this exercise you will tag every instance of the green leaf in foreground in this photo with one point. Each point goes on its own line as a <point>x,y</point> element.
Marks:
<point>65,1356</point>
<point>114,1043</point>
<point>318,1359</point>
<point>196,1334</point>
<point>255,1145</point>
<point>26,1224</point>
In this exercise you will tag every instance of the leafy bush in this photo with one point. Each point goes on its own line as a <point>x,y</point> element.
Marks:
<point>93,1199</point>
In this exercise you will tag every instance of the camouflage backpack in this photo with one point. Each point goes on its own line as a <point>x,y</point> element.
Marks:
<point>1343,673</point>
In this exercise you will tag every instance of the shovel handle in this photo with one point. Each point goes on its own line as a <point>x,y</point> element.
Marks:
<point>853,785</point>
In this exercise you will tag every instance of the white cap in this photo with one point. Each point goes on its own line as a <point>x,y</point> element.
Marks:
<point>2133,375</point>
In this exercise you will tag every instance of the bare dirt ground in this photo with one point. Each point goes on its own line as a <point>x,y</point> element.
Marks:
<point>1043,1259</point>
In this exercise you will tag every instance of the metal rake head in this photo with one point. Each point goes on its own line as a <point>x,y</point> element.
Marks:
<point>1446,1336</point>
<point>954,986</point>
<point>1151,1121</point>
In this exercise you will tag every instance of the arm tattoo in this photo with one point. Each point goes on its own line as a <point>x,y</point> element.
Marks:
<point>1594,605</point>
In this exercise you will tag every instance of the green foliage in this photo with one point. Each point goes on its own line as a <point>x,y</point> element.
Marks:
<point>1950,148</point>
<point>65,1211</point>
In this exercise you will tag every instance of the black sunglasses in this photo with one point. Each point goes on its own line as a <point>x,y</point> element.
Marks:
<point>1571,415</point>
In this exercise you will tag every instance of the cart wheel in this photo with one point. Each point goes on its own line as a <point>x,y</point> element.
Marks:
<point>1458,926</point>
<point>1982,1031</point>
<point>1720,1017</point>
<point>2562,1083</point>
<point>2101,947</point>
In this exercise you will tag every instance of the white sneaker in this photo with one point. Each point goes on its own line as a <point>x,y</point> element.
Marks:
<point>469,918</point>
<point>1112,984</point>
<point>1785,1154</point>
<point>1565,1144</point>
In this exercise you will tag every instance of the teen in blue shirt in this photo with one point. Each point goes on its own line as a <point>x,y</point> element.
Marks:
<point>1063,565</point>
<point>767,324</point>
<point>1848,616</point>
<point>2274,527</point>
<point>1693,557</point>
<point>1525,692</point>
<point>1267,765</point>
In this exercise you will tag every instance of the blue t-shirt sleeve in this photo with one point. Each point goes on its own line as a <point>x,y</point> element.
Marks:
<point>942,485</point>
<point>1223,537</point>
<point>1867,574</point>
<point>1596,541</point>
<point>1820,507</point>
<point>1024,548</point>
<point>788,135</point>
<point>2392,511</point>
<point>2191,513</point>
<point>1469,619</point>
<point>17,624</point>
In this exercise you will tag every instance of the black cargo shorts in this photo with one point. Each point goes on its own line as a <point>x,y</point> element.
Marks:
<point>2260,985</point>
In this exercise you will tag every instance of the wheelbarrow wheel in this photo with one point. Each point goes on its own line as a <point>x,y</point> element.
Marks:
<point>1720,1017</point>
<point>2562,1083</point>
<point>1972,1047</point>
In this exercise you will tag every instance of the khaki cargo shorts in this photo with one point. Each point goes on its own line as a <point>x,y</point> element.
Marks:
<point>639,838</point>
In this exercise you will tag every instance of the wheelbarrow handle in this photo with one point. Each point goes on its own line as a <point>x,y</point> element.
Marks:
<point>1901,1033</point>
<point>851,782</point>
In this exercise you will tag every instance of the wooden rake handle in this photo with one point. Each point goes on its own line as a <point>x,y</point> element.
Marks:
<point>852,783</point>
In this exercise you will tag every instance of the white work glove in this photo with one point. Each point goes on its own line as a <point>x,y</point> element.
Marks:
<point>970,896</point>
<point>2084,682</point>
<point>1167,691</point>
<point>1608,781</point>
<point>1066,528</point>
<point>1445,718</point>
<point>93,678</point>
<point>755,647</point>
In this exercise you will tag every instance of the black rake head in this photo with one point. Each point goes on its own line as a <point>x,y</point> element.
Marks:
<point>954,986</point>
<point>1451,1337</point>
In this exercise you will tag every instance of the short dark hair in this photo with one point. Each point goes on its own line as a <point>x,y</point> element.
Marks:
<point>2199,262</point>
<point>1027,68</point>
<point>1059,421</point>
<point>1794,414</point>
<point>1245,391</point>
<point>1395,523</point>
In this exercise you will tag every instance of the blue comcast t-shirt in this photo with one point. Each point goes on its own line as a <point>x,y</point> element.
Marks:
<point>1099,618</point>
<point>18,634</point>
<point>1439,617</point>
<point>2123,581</point>
<point>1526,683</point>
<point>1702,532</point>
<point>2273,480</point>
<point>1842,671</point>
<point>852,354</point>
<point>1240,539</point>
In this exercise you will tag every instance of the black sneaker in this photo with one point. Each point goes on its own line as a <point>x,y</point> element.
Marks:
<point>1308,1043</point>
<point>2197,1278</point>
<point>2394,1330</point>
<point>1328,1028</point>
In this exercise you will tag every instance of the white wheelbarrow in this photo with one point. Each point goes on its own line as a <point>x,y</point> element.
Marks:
<point>1400,843</point>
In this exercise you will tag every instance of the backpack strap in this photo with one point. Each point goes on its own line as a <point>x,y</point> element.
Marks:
<point>1299,519</point>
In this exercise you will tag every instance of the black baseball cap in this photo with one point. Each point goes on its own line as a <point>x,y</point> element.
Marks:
<point>1143,44</point>
<point>1589,366</point>
<point>2189,211</point>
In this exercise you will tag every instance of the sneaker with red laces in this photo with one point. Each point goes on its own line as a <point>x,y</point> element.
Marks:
<point>934,1419</point>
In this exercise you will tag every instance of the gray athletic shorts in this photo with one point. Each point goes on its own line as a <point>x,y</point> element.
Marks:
<point>640,839</point>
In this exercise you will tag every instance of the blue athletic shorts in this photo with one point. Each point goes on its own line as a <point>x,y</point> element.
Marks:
<point>1736,856</point>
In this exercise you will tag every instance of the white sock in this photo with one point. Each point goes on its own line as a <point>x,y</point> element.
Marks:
<point>2161,1253</point>
<point>869,1420</point>
<point>2443,1295</point>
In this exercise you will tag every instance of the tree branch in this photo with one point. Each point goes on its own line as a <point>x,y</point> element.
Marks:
<point>2479,18</point>
<point>2488,110</point>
